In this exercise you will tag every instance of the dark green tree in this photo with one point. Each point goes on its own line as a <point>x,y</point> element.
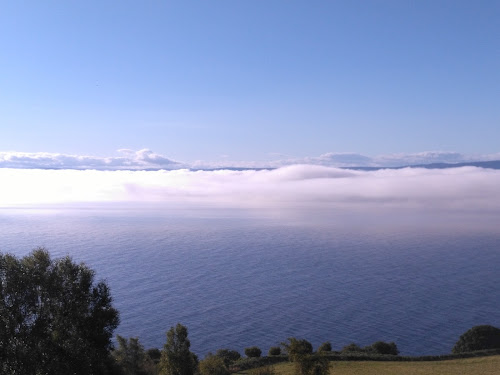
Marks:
<point>54,317</point>
<point>274,350</point>
<point>381,347</point>
<point>325,347</point>
<point>478,338</point>
<point>229,356</point>
<point>306,363</point>
<point>154,354</point>
<point>253,352</point>
<point>131,357</point>
<point>352,348</point>
<point>213,365</point>
<point>176,358</point>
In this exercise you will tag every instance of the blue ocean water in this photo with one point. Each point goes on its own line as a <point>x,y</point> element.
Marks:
<point>237,281</point>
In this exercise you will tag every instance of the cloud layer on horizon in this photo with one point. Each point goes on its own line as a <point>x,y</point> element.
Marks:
<point>146,159</point>
<point>128,160</point>
<point>459,190</point>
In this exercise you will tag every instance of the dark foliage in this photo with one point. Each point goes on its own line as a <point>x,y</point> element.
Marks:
<point>352,348</point>
<point>213,365</point>
<point>228,355</point>
<point>131,359</point>
<point>176,358</point>
<point>478,338</point>
<point>297,348</point>
<point>306,363</point>
<point>325,347</point>
<point>250,363</point>
<point>274,350</point>
<point>381,347</point>
<point>154,354</point>
<point>253,352</point>
<point>54,319</point>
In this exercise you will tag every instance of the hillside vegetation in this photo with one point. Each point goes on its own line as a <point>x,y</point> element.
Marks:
<point>466,366</point>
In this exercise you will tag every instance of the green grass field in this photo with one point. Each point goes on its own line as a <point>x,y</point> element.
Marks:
<point>469,366</point>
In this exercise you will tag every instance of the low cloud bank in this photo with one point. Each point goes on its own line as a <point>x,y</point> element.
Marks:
<point>466,189</point>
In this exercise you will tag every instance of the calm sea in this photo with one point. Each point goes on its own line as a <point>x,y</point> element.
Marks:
<point>240,280</point>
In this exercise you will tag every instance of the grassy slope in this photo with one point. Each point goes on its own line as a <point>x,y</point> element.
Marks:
<point>468,366</point>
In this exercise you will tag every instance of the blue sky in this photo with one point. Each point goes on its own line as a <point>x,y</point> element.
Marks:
<point>250,80</point>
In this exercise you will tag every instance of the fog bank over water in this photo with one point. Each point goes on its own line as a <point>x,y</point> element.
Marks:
<point>466,189</point>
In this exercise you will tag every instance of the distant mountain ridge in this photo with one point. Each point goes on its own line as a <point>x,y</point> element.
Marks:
<point>492,164</point>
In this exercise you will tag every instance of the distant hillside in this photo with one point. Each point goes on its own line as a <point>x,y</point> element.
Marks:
<point>494,164</point>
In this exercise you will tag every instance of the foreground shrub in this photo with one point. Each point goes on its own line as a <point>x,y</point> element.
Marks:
<point>253,352</point>
<point>352,348</point>
<point>306,363</point>
<point>325,347</point>
<point>228,355</point>
<point>213,365</point>
<point>131,359</point>
<point>274,350</point>
<point>381,347</point>
<point>478,338</point>
<point>250,363</point>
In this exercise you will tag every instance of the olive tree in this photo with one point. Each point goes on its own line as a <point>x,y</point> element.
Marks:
<point>54,317</point>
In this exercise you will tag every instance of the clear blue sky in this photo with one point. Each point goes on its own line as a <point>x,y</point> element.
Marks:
<point>200,79</point>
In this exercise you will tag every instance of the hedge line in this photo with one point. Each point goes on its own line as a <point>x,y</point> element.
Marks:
<point>250,363</point>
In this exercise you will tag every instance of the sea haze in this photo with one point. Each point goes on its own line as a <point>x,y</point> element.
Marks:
<point>238,279</point>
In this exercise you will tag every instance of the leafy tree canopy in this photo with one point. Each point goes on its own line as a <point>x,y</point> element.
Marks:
<point>274,350</point>
<point>352,347</point>
<point>306,363</point>
<point>325,347</point>
<point>381,347</point>
<point>131,359</point>
<point>54,318</point>
<point>176,358</point>
<point>253,352</point>
<point>213,365</point>
<point>228,355</point>
<point>297,349</point>
<point>478,338</point>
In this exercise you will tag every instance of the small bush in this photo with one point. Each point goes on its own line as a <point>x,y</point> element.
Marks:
<point>228,355</point>
<point>325,347</point>
<point>352,347</point>
<point>274,350</point>
<point>297,348</point>
<point>253,352</point>
<point>381,347</point>
<point>213,365</point>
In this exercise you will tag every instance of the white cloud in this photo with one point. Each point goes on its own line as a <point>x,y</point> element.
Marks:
<point>129,159</point>
<point>466,189</point>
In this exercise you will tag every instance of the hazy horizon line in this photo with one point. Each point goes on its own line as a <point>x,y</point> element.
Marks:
<point>146,159</point>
